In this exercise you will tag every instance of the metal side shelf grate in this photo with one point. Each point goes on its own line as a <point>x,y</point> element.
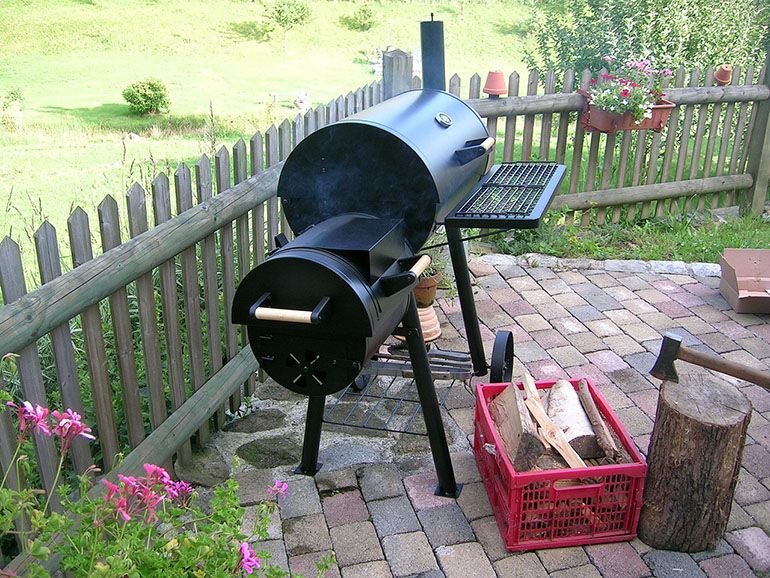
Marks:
<point>386,403</point>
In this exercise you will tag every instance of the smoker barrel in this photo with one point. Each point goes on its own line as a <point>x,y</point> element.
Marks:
<point>412,157</point>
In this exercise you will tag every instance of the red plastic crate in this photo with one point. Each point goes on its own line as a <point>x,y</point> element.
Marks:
<point>540,509</point>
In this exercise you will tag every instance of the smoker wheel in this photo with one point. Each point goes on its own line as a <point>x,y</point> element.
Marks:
<point>502,358</point>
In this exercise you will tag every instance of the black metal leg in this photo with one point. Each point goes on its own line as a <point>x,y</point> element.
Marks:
<point>315,414</point>
<point>467,304</point>
<point>447,486</point>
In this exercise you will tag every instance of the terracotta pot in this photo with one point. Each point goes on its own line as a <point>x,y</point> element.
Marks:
<point>495,84</point>
<point>601,120</point>
<point>425,290</point>
<point>723,74</point>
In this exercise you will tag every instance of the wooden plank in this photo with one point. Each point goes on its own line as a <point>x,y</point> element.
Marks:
<point>271,156</point>
<point>34,315</point>
<point>14,288</point>
<point>529,120</point>
<point>49,265</point>
<point>657,137</point>
<point>257,158</point>
<point>593,158</point>
<point>547,119</point>
<point>15,478</point>
<point>204,189</point>
<point>747,140</point>
<point>227,255</point>
<point>716,114</point>
<point>474,86</point>
<point>510,121</point>
<point>727,127</point>
<point>284,148</point>
<point>454,85</point>
<point>757,155</point>
<point>562,131</point>
<point>625,145</point>
<point>577,148</point>
<point>109,227</point>
<point>639,154</point>
<point>161,199</point>
<point>91,320</point>
<point>137,221</point>
<point>673,122</point>
<point>350,104</point>
<point>740,127</point>
<point>331,113</point>
<point>698,145</point>
<point>192,293</point>
<point>684,141</point>
<point>161,443</point>
<point>609,153</point>
<point>553,434</point>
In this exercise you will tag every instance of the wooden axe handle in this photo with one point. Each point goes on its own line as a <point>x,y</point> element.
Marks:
<point>724,366</point>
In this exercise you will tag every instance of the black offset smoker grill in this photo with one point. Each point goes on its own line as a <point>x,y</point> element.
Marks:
<point>365,193</point>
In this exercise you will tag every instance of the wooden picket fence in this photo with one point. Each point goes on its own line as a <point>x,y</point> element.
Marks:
<point>143,329</point>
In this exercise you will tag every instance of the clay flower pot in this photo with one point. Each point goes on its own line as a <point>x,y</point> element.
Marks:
<point>723,75</point>
<point>425,290</point>
<point>601,120</point>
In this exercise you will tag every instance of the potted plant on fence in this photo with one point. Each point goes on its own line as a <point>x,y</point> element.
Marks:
<point>629,97</point>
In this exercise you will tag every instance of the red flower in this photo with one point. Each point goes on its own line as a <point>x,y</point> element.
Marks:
<point>625,93</point>
<point>592,81</point>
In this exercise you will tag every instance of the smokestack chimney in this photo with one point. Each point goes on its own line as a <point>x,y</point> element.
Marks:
<point>432,46</point>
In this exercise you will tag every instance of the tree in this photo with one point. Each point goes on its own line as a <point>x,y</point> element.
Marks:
<point>286,14</point>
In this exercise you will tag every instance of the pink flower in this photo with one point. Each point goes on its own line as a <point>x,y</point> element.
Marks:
<point>69,426</point>
<point>156,475</point>
<point>32,417</point>
<point>112,489</point>
<point>668,72</point>
<point>592,81</point>
<point>249,561</point>
<point>279,489</point>
<point>179,491</point>
<point>605,76</point>
<point>625,93</point>
<point>608,58</point>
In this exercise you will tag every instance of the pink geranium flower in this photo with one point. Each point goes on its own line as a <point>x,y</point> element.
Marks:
<point>68,426</point>
<point>280,489</point>
<point>249,561</point>
<point>31,417</point>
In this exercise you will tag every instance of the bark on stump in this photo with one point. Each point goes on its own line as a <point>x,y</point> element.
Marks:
<point>693,463</point>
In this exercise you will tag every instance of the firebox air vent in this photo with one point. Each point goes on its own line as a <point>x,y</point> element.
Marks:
<point>308,373</point>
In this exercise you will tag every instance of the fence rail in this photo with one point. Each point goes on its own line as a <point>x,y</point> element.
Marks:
<point>142,330</point>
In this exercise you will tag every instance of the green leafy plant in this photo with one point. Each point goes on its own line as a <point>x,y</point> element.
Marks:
<point>634,87</point>
<point>286,14</point>
<point>361,20</point>
<point>148,96</point>
<point>13,98</point>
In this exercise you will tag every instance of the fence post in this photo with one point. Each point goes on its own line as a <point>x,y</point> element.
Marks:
<point>396,73</point>
<point>753,201</point>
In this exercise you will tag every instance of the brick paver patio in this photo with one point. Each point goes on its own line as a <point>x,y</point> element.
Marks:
<point>570,318</point>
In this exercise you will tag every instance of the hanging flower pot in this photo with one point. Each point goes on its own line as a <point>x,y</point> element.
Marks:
<point>595,119</point>
<point>723,75</point>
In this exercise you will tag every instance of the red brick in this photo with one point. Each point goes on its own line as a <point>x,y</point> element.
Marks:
<point>618,561</point>
<point>732,329</point>
<point>753,545</point>
<point>346,508</point>
<point>607,360</point>
<point>731,566</point>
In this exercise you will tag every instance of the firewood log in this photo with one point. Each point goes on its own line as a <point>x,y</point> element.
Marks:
<point>565,410</point>
<point>603,436</point>
<point>516,428</point>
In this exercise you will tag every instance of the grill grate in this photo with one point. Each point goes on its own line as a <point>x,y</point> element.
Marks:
<point>515,196</point>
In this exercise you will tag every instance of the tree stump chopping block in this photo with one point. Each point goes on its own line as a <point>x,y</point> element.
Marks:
<point>693,463</point>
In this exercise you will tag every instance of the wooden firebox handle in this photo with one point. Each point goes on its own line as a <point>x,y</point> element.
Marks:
<point>289,315</point>
<point>422,263</point>
<point>488,143</point>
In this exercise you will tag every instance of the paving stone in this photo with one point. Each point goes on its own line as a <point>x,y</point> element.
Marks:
<point>535,322</point>
<point>276,551</point>
<point>586,342</point>
<point>586,571</point>
<point>488,535</point>
<point>560,558</point>
<point>730,566</point>
<point>555,286</point>
<point>543,271</point>
<point>492,282</point>
<point>463,560</point>
<point>626,266</point>
<point>253,485</point>
<point>718,342</point>
<point>547,369</point>
<point>586,313</point>
<point>355,544</point>
<point>378,569</point>
<point>696,325</point>
<point>672,267</point>
<point>603,327</point>
<point>522,566</point>
<point>759,398</point>
<point>756,459</point>
<point>606,360</point>
<point>394,516</point>
<point>676,311</point>
<point>421,490</point>
<point>409,554</point>
<point>537,296</point>
<point>722,549</point>
<point>646,400</point>
<point>634,420</point>
<point>568,325</point>
<point>551,311</point>
<point>738,518</point>
<point>274,528</point>
<point>639,306</point>
<point>306,565</point>
<point>629,380</point>
<point>336,481</point>
<point>463,416</point>
<point>753,545</point>
<point>445,525</point>
<point>657,320</point>
<point>474,502</point>
<point>519,308</point>
<point>732,330</point>
<point>664,563</point>
<point>549,338</point>
<point>568,356</point>
<point>480,268</point>
<point>521,284</point>
<point>705,269</point>
<point>569,300</point>
<point>508,271</point>
<point>749,490</point>
<point>617,560</point>
<point>761,514</point>
<point>634,283</point>
<point>642,362</point>
<point>623,345</point>
<point>530,351</point>
<point>306,534</point>
<point>301,499</point>
<point>380,481</point>
<point>345,508</point>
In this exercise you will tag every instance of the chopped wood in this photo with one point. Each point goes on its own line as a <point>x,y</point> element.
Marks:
<point>565,410</point>
<point>554,434</point>
<point>516,428</point>
<point>603,435</point>
<point>529,386</point>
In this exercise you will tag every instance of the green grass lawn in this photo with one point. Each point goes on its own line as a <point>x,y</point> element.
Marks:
<point>72,59</point>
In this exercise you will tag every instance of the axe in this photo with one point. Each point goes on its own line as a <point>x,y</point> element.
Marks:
<point>672,349</point>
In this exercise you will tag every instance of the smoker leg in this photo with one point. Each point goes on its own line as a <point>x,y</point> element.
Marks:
<point>467,304</point>
<point>315,414</point>
<point>447,486</point>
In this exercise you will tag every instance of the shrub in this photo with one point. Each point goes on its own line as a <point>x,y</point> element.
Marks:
<point>148,96</point>
<point>13,99</point>
<point>361,20</point>
<point>286,14</point>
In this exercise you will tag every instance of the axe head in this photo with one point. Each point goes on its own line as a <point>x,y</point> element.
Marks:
<point>664,366</point>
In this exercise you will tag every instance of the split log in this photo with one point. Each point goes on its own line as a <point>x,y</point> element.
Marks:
<point>694,461</point>
<point>566,412</point>
<point>603,435</point>
<point>516,428</point>
<point>553,433</point>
